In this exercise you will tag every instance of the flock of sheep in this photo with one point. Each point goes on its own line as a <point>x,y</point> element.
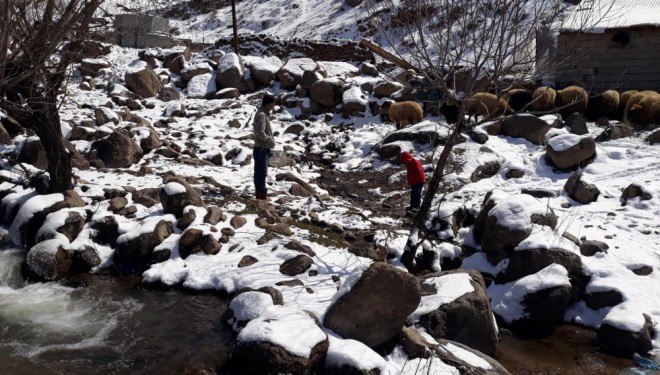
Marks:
<point>636,109</point>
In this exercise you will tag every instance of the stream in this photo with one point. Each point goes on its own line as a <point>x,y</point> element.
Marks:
<point>95,324</point>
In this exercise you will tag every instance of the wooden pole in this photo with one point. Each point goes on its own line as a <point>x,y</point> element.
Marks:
<point>233,18</point>
<point>375,48</point>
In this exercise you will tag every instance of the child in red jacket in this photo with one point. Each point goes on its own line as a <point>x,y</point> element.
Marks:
<point>416,179</point>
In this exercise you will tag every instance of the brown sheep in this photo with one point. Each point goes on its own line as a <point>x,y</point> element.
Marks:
<point>573,99</point>
<point>602,105</point>
<point>405,113</point>
<point>543,99</point>
<point>623,102</point>
<point>487,105</point>
<point>642,109</point>
<point>519,99</point>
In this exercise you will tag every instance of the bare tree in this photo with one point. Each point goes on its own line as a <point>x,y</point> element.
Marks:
<point>461,47</point>
<point>37,45</point>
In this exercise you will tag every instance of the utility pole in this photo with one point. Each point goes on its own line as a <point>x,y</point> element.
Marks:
<point>233,18</point>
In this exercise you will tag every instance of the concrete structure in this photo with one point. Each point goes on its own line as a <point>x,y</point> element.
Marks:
<point>141,31</point>
<point>620,50</point>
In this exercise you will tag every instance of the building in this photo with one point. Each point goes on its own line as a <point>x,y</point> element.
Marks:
<point>612,44</point>
<point>141,31</point>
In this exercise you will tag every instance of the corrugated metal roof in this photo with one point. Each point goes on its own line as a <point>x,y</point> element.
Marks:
<point>598,15</point>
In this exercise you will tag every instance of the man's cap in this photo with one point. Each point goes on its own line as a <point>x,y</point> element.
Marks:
<point>267,99</point>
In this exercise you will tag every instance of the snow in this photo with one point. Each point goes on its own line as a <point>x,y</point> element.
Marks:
<point>291,329</point>
<point>267,63</point>
<point>147,225</point>
<point>515,211</point>
<point>354,95</point>
<point>174,188</point>
<point>352,353</point>
<point>250,305</point>
<point>545,238</point>
<point>229,61</point>
<point>449,288</point>
<point>200,85</point>
<point>467,356</point>
<point>566,141</point>
<point>506,299</point>
<point>598,16</point>
<point>350,282</point>
<point>137,66</point>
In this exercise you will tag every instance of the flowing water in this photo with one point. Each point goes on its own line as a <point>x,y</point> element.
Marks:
<point>105,325</point>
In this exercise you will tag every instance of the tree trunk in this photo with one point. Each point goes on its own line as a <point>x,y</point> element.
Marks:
<point>46,123</point>
<point>413,242</point>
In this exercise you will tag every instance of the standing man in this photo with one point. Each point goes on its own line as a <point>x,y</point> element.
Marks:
<point>263,142</point>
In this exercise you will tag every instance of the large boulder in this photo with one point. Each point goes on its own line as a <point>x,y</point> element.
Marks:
<point>654,137</point>
<point>619,337</point>
<point>177,194</point>
<point>32,152</point>
<point>576,123</point>
<point>118,150</point>
<point>247,306</point>
<point>83,260</point>
<point>142,80</point>
<point>194,241</point>
<point>264,70</point>
<point>371,307</point>
<point>635,190</point>
<point>425,132</point>
<point>230,73</point>
<point>66,222</point>
<point>201,86</point>
<point>533,304</point>
<point>570,151</point>
<point>615,131</point>
<point>48,260</point>
<point>327,91</point>
<point>33,213</point>
<point>290,74</point>
<point>581,190</point>
<point>91,67</point>
<point>529,261</point>
<point>148,137</point>
<point>386,88</point>
<point>506,220</point>
<point>354,101</point>
<point>195,70</point>
<point>525,126</point>
<point>455,307</point>
<point>281,340</point>
<point>135,248</point>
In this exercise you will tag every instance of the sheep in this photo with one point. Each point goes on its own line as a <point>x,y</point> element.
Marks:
<point>642,109</point>
<point>623,101</point>
<point>518,99</point>
<point>404,113</point>
<point>543,99</point>
<point>487,105</point>
<point>602,105</point>
<point>573,99</point>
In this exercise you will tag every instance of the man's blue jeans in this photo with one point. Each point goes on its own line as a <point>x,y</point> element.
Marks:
<point>260,156</point>
<point>416,195</point>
